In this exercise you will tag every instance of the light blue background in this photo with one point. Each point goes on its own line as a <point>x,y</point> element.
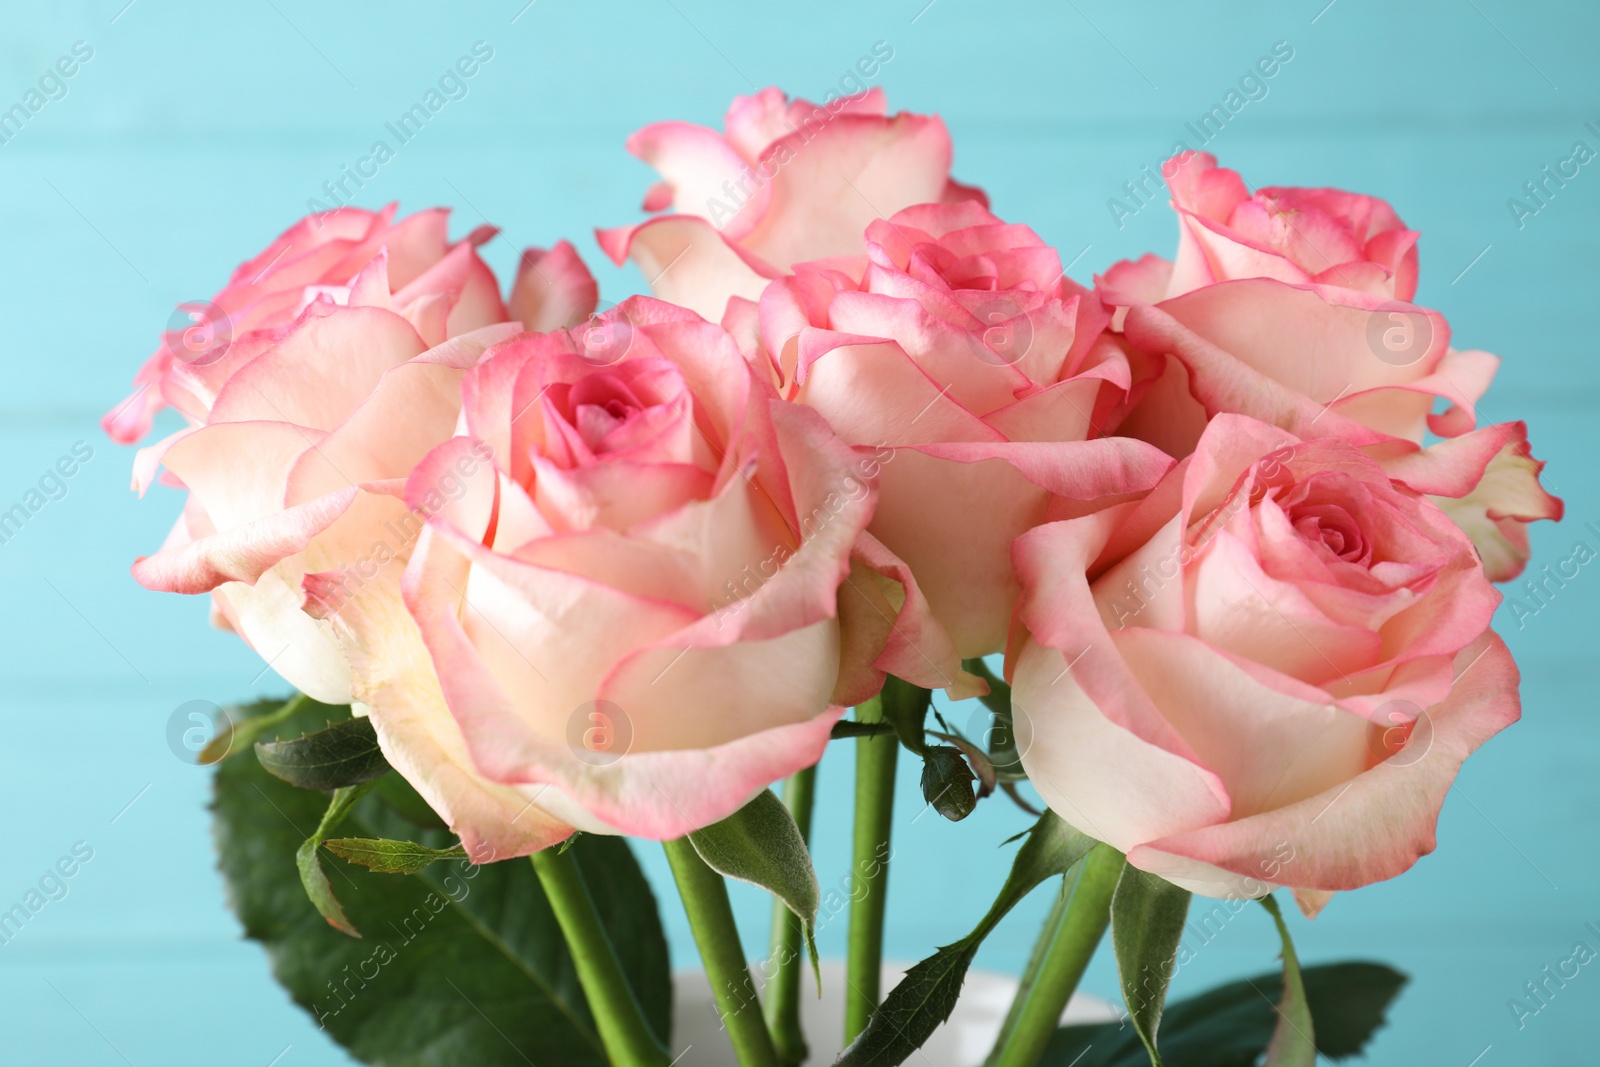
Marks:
<point>197,132</point>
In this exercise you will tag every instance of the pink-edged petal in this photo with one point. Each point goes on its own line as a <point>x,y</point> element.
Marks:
<point>974,375</point>
<point>888,627</point>
<point>964,568</point>
<point>1462,378</point>
<point>830,184</point>
<point>1144,588</point>
<point>394,685</point>
<point>1239,609</point>
<point>413,407</point>
<point>1323,343</point>
<point>1396,249</point>
<point>703,168</point>
<point>1135,281</point>
<point>267,615</point>
<point>755,121</point>
<point>1059,611</point>
<point>414,244</point>
<point>873,393</point>
<point>147,461</point>
<point>320,371</point>
<point>1270,749</point>
<point>700,680</point>
<point>456,486</point>
<point>1063,411</point>
<point>1082,763</point>
<point>614,494</point>
<point>658,793</point>
<point>1380,822</point>
<point>132,419</point>
<point>786,629</point>
<point>688,263</point>
<point>533,631</point>
<point>1452,467</point>
<point>552,289</point>
<point>1167,415</point>
<point>1507,496</point>
<point>1101,471</point>
<point>237,471</point>
<point>1223,383</point>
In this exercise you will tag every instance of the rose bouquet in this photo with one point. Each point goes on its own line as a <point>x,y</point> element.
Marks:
<point>546,578</point>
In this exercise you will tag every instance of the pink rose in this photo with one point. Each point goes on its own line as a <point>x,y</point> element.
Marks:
<point>442,289</point>
<point>1255,323</point>
<point>1265,673</point>
<point>298,467</point>
<point>957,349</point>
<point>301,438</point>
<point>787,181</point>
<point>631,608</point>
<point>1300,236</point>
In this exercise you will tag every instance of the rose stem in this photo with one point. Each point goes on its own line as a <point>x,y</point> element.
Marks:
<point>1065,946</point>
<point>626,1035</point>
<point>869,872</point>
<point>782,1002</point>
<point>705,900</point>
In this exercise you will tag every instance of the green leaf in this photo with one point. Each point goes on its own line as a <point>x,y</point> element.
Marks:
<point>1231,1025</point>
<point>914,1009</point>
<point>1051,848</point>
<point>905,707</point>
<point>245,723</point>
<point>947,783</point>
<point>1293,1041</point>
<point>461,963</point>
<point>344,754</point>
<point>761,844</point>
<point>1147,915</point>
<point>312,876</point>
<point>391,857</point>
<point>1349,1003</point>
<point>923,1000</point>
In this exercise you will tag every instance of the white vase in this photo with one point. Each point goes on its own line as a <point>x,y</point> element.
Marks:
<point>699,1041</point>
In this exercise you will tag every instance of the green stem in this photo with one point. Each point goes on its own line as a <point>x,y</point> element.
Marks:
<point>626,1035</point>
<point>875,767</point>
<point>1073,930</point>
<point>705,900</point>
<point>782,1001</point>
